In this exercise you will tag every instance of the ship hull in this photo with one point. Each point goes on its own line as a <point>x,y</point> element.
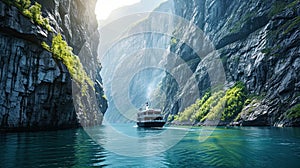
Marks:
<point>151,124</point>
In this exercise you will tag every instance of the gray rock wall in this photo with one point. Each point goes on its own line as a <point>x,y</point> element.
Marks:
<point>35,89</point>
<point>258,43</point>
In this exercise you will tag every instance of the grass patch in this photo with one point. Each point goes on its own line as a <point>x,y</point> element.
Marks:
<point>189,113</point>
<point>173,41</point>
<point>59,48</point>
<point>294,112</point>
<point>272,51</point>
<point>231,104</point>
<point>277,7</point>
<point>206,106</point>
<point>293,4</point>
<point>46,46</point>
<point>218,105</point>
<point>238,25</point>
<point>63,52</point>
<point>104,97</point>
<point>32,11</point>
<point>294,23</point>
<point>266,51</point>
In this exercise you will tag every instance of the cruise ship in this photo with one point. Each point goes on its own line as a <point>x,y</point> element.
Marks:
<point>150,118</point>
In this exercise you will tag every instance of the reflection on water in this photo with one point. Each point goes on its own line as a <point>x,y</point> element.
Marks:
<point>55,149</point>
<point>226,147</point>
<point>128,140</point>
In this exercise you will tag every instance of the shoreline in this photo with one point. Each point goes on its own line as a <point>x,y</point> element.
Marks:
<point>228,124</point>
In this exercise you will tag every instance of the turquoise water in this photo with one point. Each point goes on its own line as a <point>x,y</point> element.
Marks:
<point>225,147</point>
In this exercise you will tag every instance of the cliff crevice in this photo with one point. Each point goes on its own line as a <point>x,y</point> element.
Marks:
<point>36,89</point>
<point>258,44</point>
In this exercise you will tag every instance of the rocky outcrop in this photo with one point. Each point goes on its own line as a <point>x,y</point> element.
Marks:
<point>258,43</point>
<point>35,89</point>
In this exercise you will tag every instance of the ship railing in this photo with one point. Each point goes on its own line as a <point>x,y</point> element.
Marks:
<point>149,112</point>
<point>150,115</point>
<point>152,121</point>
<point>152,110</point>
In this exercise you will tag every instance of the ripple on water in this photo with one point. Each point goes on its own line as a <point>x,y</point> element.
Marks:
<point>231,147</point>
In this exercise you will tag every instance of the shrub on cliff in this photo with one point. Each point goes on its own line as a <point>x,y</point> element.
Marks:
<point>293,112</point>
<point>230,105</point>
<point>216,106</point>
<point>31,11</point>
<point>235,99</point>
<point>63,52</point>
<point>193,111</point>
<point>208,105</point>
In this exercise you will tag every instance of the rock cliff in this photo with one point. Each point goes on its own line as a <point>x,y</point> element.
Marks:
<point>36,89</point>
<point>258,44</point>
<point>255,44</point>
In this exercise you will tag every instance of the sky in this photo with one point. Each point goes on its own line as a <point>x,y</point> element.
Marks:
<point>105,7</point>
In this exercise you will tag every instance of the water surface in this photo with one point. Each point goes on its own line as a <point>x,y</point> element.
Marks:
<point>225,147</point>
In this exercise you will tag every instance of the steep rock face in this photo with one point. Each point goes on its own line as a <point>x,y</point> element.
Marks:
<point>35,89</point>
<point>77,21</point>
<point>258,43</point>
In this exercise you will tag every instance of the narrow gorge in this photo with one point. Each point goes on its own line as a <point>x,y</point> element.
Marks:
<point>255,42</point>
<point>256,45</point>
<point>150,83</point>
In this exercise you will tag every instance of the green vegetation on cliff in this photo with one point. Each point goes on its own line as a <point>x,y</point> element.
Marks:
<point>214,106</point>
<point>279,5</point>
<point>32,11</point>
<point>294,112</point>
<point>173,41</point>
<point>205,108</point>
<point>276,7</point>
<point>60,49</point>
<point>194,111</point>
<point>231,104</point>
<point>63,52</point>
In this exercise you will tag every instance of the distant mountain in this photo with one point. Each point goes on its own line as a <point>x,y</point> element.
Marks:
<point>143,6</point>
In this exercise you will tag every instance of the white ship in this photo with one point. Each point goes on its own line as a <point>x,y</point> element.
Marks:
<point>150,118</point>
